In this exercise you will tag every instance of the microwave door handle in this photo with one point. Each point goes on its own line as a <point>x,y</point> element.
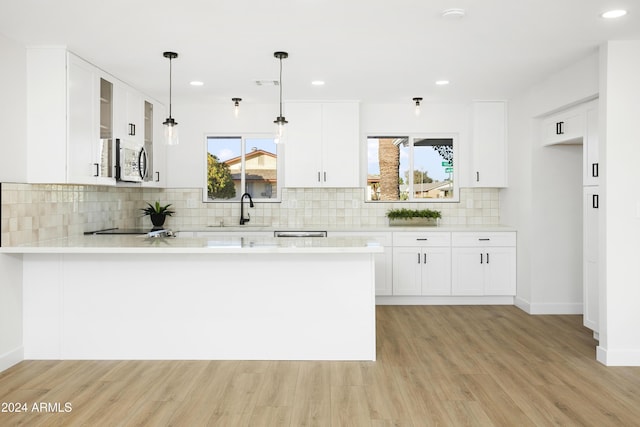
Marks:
<point>142,167</point>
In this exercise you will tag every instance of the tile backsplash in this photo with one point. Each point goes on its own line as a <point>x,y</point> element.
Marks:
<point>35,212</point>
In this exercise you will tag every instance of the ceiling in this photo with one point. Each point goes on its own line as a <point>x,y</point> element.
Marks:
<point>378,51</point>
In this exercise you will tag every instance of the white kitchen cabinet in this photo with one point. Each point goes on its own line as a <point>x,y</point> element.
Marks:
<point>565,127</point>
<point>489,142</point>
<point>129,116</point>
<point>421,263</point>
<point>322,144</point>
<point>590,145</point>
<point>154,145</point>
<point>383,261</point>
<point>483,263</point>
<point>590,241</point>
<point>63,119</point>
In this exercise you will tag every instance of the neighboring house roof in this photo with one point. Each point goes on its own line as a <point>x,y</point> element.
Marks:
<point>439,185</point>
<point>251,154</point>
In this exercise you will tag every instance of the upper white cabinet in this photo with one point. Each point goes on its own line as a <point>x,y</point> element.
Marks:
<point>566,127</point>
<point>154,146</point>
<point>64,120</point>
<point>75,112</point>
<point>321,145</point>
<point>489,141</point>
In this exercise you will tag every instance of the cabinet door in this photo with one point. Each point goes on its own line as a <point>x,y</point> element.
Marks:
<point>134,116</point>
<point>564,128</point>
<point>303,149</point>
<point>407,271</point>
<point>340,144</point>
<point>500,271</point>
<point>157,167</point>
<point>467,271</point>
<point>591,297</point>
<point>384,272</point>
<point>83,123</point>
<point>489,144</point>
<point>436,271</point>
<point>590,146</point>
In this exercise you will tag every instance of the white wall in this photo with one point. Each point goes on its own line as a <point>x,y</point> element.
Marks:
<point>620,204</point>
<point>544,198</point>
<point>13,111</point>
<point>10,310</point>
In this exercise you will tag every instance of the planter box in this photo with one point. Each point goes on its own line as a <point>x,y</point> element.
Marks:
<point>413,222</point>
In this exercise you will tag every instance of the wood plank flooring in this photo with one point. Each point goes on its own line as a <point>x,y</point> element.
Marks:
<point>437,365</point>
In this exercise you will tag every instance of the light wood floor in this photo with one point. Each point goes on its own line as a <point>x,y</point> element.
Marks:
<point>436,365</point>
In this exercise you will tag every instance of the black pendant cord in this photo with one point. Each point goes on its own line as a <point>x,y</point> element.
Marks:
<point>280,86</point>
<point>170,79</point>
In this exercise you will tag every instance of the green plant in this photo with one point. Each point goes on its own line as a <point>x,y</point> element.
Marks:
<point>413,213</point>
<point>157,209</point>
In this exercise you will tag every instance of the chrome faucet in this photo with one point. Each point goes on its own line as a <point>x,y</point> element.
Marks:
<point>244,220</point>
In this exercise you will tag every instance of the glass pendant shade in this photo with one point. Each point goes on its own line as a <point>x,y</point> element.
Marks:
<point>236,106</point>
<point>280,121</point>
<point>171,132</point>
<point>417,109</point>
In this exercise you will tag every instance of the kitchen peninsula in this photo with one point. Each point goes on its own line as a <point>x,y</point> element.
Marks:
<point>133,297</point>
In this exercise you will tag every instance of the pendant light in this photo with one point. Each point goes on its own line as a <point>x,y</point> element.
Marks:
<point>236,106</point>
<point>170,125</point>
<point>417,101</point>
<point>280,121</point>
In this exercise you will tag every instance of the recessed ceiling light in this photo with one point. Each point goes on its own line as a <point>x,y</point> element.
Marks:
<point>455,13</point>
<point>442,82</point>
<point>317,83</point>
<point>196,83</point>
<point>611,14</point>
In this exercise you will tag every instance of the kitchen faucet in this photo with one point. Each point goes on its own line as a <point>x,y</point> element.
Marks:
<point>244,220</point>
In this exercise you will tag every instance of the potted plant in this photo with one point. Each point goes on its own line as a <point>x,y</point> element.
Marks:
<point>413,217</point>
<point>157,213</point>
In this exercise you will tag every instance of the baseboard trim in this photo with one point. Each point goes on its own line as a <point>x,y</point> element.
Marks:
<point>11,358</point>
<point>555,308</point>
<point>523,305</point>
<point>444,300</point>
<point>617,357</point>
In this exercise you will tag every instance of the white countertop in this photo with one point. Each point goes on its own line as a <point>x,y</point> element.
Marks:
<point>207,245</point>
<point>354,229</point>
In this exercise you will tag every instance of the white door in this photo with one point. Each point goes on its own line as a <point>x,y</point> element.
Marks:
<point>407,271</point>
<point>436,271</point>
<point>500,271</point>
<point>467,271</point>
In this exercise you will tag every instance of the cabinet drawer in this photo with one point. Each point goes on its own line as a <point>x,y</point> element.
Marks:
<point>564,128</point>
<point>422,239</point>
<point>380,236</point>
<point>473,239</point>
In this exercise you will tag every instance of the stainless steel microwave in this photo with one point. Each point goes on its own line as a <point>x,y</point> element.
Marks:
<point>131,161</point>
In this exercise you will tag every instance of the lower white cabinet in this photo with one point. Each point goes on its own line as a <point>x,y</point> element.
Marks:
<point>483,263</point>
<point>421,270</point>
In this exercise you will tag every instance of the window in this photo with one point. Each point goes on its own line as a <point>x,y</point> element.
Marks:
<point>411,168</point>
<point>239,164</point>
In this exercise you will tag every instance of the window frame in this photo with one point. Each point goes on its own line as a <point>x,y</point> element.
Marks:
<point>413,136</point>
<point>243,151</point>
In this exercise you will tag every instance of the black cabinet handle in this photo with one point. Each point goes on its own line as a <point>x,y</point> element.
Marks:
<point>480,258</point>
<point>477,176</point>
<point>418,257</point>
<point>325,177</point>
<point>97,165</point>
<point>157,176</point>
<point>595,201</point>
<point>318,176</point>
<point>594,170</point>
<point>560,128</point>
<point>422,239</point>
<point>425,257</point>
<point>132,129</point>
<point>487,257</point>
<point>485,239</point>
